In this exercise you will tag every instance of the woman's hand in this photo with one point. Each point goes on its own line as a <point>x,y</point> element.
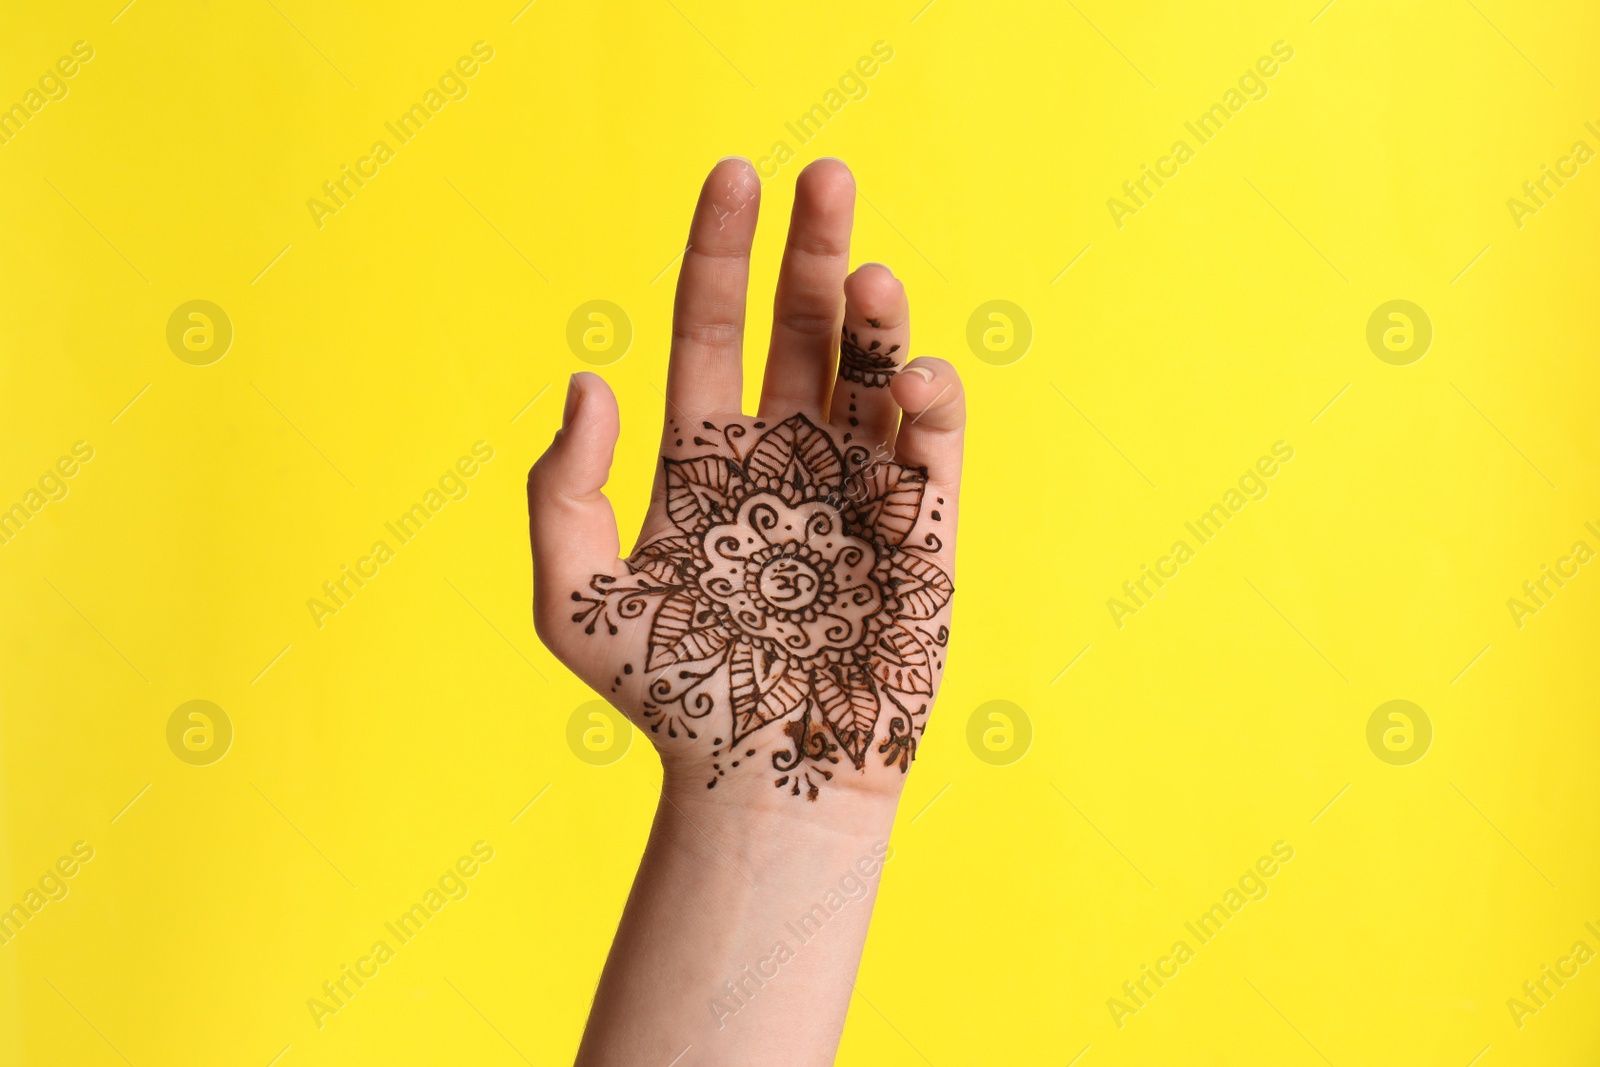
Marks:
<point>784,617</point>
<point>782,622</point>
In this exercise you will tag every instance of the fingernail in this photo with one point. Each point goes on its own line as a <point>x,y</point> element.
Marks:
<point>921,372</point>
<point>573,396</point>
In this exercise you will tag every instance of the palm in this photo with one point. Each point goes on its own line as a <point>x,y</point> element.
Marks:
<point>787,604</point>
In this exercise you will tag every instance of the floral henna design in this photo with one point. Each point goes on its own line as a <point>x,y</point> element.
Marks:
<point>787,579</point>
<point>871,366</point>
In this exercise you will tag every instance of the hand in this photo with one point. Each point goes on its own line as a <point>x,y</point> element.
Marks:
<point>784,616</point>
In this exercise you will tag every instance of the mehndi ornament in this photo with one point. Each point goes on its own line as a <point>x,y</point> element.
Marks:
<point>788,579</point>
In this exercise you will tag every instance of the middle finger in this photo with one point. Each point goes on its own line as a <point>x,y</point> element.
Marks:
<point>805,320</point>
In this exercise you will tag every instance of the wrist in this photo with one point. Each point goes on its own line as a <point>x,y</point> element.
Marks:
<point>765,773</point>
<point>749,914</point>
<point>773,831</point>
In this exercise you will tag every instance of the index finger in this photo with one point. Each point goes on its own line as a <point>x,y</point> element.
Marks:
<point>704,372</point>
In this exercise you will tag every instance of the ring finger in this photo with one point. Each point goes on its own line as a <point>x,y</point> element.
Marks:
<point>872,348</point>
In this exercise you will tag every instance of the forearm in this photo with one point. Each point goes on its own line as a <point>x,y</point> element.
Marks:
<point>742,935</point>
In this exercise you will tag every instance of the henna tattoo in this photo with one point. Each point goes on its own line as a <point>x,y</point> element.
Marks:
<point>786,593</point>
<point>810,742</point>
<point>901,744</point>
<point>612,601</point>
<point>871,366</point>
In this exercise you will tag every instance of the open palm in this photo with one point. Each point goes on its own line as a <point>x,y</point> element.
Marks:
<point>786,606</point>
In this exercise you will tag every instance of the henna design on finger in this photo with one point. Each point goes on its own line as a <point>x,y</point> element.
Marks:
<point>871,366</point>
<point>786,593</point>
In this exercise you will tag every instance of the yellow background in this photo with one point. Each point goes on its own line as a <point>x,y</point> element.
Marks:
<point>430,311</point>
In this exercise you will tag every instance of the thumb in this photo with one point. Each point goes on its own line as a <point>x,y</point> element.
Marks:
<point>571,526</point>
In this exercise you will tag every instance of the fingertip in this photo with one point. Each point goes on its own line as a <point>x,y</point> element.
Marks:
<point>829,169</point>
<point>825,184</point>
<point>595,417</point>
<point>731,186</point>
<point>571,528</point>
<point>928,388</point>
<point>872,292</point>
<point>732,167</point>
<point>586,384</point>
<point>579,457</point>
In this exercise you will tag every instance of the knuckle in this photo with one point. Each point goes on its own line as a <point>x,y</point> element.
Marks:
<point>714,251</point>
<point>811,244</point>
<point>539,474</point>
<point>709,333</point>
<point>807,322</point>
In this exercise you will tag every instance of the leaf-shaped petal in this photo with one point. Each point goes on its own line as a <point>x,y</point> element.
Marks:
<point>921,586</point>
<point>887,498</point>
<point>763,687</point>
<point>701,491</point>
<point>849,704</point>
<point>684,629</point>
<point>665,559</point>
<point>798,457</point>
<point>899,661</point>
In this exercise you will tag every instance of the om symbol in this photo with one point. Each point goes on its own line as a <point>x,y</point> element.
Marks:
<point>789,583</point>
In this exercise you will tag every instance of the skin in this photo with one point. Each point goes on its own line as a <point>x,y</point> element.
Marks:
<point>728,870</point>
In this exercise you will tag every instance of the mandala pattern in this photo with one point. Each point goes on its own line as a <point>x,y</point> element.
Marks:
<point>787,594</point>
